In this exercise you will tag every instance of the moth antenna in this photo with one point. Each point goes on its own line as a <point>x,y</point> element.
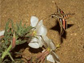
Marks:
<point>56,5</point>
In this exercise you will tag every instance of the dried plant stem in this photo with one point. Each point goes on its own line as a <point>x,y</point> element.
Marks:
<point>42,56</point>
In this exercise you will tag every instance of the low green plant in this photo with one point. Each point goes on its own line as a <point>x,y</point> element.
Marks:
<point>15,34</point>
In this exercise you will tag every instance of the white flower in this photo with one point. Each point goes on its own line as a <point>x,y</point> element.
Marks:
<point>49,52</point>
<point>52,57</point>
<point>2,32</point>
<point>49,43</point>
<point>42,39</point>
<point>40,30</point>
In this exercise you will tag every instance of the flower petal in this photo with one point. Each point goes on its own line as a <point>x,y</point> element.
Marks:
<point>40,23</point>
<point>52,45</point>
<point>34,43</point>
<point>41,30</point>
<point>55,56</point>
<point>40,41</point>
<point>46,41</point>
<point>50,58</point>
<point>34,21</point>
<point>2,32</point>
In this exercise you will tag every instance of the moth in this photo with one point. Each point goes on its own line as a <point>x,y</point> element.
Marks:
<point>61,16</point>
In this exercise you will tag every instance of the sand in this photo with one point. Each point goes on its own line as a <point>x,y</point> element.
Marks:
<point>72,48</point>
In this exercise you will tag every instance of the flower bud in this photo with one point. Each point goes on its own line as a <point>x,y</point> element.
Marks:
<point>13,41</point>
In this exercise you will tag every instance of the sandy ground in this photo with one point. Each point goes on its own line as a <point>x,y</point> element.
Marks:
<point>72,48</point>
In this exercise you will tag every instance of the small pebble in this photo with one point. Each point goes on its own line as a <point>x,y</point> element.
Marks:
<point>80,29</point>
<point>71,34</point>
<point>75,34</point>
<point>53,1</point>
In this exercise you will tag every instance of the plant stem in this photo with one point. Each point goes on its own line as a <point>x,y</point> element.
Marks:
<point>7,53</point>
<point>10,56</point>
